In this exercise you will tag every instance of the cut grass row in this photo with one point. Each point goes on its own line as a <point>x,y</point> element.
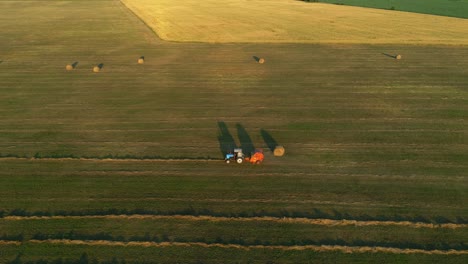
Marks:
<point>194,217</point>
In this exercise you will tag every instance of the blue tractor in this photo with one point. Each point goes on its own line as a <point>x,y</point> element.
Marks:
<point>236,155</point>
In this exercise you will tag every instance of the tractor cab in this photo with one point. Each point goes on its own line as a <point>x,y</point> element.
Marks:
<point>236,155</point>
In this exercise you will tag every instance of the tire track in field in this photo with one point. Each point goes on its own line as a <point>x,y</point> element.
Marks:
<point>218,200</point>
<point>321,248</point>
<point>116,159</point>
<point>438,164</point>
<point>291,220</point>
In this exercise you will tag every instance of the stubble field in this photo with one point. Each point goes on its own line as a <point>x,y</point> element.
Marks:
<point>127,163</point>
<point>293,21</point>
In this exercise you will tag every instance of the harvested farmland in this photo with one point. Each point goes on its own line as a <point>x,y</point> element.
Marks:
<point>126,165</point>
<point>286,21</point>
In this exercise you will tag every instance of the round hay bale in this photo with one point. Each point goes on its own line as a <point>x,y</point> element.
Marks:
<point>261,60</point>
<point>141,61</point>
<point>69,67</point>
<point>96,69</point>
<point>398,57</point>
<point>279,151</point>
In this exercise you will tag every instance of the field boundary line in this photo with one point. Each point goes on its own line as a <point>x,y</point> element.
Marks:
<point>124,6</point>
<point>321,248</point>
<point>320,221</point>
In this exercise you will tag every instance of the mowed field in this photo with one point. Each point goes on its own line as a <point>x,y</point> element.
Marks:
<point>286,21</point>
<point>127,163</point>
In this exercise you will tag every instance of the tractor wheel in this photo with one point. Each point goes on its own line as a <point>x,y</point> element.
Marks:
<point>239,160</point>
<point>228,161</point>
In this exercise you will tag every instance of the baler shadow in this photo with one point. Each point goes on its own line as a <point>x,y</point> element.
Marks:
<point>269,140</point>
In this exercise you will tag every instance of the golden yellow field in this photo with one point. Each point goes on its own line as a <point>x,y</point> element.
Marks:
<point>293,21</point>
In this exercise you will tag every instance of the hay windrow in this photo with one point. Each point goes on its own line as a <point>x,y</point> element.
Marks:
<point>322,222</point>
<point>321,248</point>
<point>16,243</point>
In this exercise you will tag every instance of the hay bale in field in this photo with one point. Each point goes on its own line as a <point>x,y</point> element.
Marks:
<point>98,67</point>
<point>72,66</point>
<point>398,57</point>
<point>279,151</point>
<point>141,60</point>
<point>258,59</point>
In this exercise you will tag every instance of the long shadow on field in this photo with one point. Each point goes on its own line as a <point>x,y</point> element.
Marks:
<point>269,140</point>
<point>225,139</point>
<point>389,55</point>
<point>257,59</point>
<point>74,64</point>
<point>100,65</point>
<point>245,141</point>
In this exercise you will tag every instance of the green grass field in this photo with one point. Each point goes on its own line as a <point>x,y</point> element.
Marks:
<point>452,8</point>
<point>127,163</point>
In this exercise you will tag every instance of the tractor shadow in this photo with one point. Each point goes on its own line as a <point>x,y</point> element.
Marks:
<point>269,140</point>
<point>245,141</point>
<point>225,139</point>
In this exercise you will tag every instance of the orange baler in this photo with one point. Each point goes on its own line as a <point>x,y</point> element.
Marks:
<point>256,158</point>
